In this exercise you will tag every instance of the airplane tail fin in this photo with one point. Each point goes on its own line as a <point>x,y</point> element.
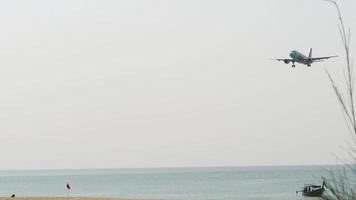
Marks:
<point>310,52</point>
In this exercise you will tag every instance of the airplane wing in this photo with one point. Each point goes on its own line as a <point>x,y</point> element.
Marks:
<point>284,59</point>
<point>318,59</point>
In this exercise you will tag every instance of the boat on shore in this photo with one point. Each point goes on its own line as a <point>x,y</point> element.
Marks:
<point>310,190</point>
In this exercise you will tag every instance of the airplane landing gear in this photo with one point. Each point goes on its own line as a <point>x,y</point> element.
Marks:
<point>293,65</point>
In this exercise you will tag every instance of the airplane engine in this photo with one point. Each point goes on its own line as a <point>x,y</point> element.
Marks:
<point>286,61</point>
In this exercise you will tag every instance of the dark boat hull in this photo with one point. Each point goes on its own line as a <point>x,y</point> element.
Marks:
<point>314,193</point>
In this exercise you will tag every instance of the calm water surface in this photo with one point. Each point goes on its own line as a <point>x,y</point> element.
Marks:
<point>222,183</point>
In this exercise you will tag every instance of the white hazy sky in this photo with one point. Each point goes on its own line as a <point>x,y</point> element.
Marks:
<point>89,84</point>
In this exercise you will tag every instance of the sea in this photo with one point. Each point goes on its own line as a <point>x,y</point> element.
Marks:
<point>199,183</point>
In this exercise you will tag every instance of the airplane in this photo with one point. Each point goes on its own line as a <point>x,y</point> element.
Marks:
<point>300,58</point>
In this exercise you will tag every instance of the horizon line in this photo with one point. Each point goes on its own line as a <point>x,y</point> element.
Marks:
<point>174,167</point>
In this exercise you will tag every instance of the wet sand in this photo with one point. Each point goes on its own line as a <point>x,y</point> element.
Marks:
<point>70,198</point>
<point>106,198</point>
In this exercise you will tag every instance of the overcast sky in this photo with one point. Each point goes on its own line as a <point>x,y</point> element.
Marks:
<point>102,84</point>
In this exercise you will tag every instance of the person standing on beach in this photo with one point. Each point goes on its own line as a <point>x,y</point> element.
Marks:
<point>68,188</point>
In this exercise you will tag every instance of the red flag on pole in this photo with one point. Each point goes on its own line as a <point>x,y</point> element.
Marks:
<point>68,186</point>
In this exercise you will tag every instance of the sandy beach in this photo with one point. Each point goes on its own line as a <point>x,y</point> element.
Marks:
<point>69,198</point>
<point>104,198</point>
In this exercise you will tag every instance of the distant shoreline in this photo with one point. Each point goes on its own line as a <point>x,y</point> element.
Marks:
<point>171,167</point>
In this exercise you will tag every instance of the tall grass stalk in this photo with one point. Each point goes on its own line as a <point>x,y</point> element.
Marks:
<point>342,181</point>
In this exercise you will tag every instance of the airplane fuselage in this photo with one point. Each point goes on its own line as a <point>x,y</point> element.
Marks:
<point>300,58</point>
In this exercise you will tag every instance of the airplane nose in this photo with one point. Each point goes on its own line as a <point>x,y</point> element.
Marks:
<point>291,54</point>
